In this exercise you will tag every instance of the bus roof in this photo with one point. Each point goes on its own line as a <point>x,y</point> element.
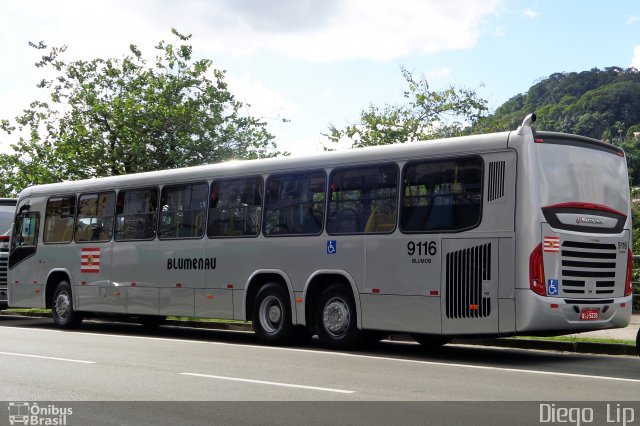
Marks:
<point>405,151</point>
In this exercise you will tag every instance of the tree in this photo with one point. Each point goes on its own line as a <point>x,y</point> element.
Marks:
<point>108,117</point>
<point>428,114</point>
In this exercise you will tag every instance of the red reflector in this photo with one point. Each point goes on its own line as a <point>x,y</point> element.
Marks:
<point>628,290</point>
<point>538,140</point>
<point>536,272</point>
<point>209,296</point>
<point>298,299</point>
<point>4,238</point>
<point>554,306</point>
<point>375,290</point>
<point>133,284</point>
<point>35,282</point>
<point>434,293</point>
<point>178,285</point>
<point>473,307</point>
<point>83,283</point>
<point>16,282</point>
<point>229,285</point>
<point>622,305</point>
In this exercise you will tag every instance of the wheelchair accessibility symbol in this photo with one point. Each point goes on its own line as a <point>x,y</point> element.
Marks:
<point>552,287</point>
<point>332,246</point>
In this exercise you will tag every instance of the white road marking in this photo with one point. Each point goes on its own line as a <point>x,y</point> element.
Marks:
<point>264,382</point>
<point>48,357</point>
<point>344,354</point>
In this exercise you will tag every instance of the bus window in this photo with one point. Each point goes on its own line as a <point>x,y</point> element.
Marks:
<point>59,219</point>
<point>235,208</point>
<point>295,204</point>
<point>363,200</point>
<point>136,214</point>
<point>95,217</point>
<point>444,195</point>
<point>183,211</point>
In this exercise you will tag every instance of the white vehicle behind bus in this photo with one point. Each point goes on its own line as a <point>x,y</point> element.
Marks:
<point>501,234</point>
<point>7,211</point>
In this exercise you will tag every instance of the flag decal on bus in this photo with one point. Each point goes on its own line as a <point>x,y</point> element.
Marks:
<point>551,244</point>
<point>90,260</point>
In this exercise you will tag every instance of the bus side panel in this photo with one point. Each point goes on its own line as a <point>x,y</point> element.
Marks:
<point>214,303</point>
<point>176,301</point>
<point>402,286</point>
<point>25,296</point>
<point>410,314</point>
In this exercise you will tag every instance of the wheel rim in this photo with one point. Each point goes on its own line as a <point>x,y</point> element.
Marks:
<point>271,313</point>
<point>336,317</point>
<point>62,305</point>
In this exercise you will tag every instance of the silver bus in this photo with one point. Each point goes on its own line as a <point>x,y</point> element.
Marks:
<point>519,232</point>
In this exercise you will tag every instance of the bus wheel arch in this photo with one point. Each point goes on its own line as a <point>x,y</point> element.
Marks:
<point>60,299</point>
<point>53,279</point>
<point>271,314</point>
<point>317,284</point>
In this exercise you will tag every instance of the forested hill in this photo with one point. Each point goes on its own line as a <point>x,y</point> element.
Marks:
<point>602,104</point>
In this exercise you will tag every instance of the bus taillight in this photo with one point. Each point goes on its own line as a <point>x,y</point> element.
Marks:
<point>627,285</point>
<point>536,272</point>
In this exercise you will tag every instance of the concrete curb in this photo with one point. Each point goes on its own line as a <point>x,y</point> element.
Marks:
<point>506,342</point>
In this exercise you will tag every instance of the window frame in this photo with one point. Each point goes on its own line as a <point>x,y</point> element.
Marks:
<point>324,203</point>
<point>360,167</point>
<point>159,211</point>
<point>73,226</point>
<point>261,184</point>
<point>155,215</point>
<point>113,217</point>
<point>402,207</point>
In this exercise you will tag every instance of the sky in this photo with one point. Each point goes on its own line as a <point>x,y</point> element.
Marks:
<point>320,62</point>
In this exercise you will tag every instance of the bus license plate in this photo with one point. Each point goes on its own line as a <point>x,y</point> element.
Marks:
<point>590,314</point>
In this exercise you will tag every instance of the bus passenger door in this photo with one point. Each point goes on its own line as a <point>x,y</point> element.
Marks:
<point>469,286</point>
<point>25,288</point>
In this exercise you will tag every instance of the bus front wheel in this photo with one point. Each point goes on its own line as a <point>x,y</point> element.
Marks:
<point>64,315</point>
<point>336,318</point>
<point>272,315</point>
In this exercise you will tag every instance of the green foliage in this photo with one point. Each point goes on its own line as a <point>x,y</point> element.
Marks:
<point>590,103</point>
<point>114,116</point>
<point>427,114</point>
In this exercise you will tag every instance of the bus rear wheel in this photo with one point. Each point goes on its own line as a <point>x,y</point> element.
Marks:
<point>336,318</point>
<point>272,315</point>
<point>64,315</point>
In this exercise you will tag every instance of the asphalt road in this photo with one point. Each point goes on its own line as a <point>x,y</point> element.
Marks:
<point>124,362</point>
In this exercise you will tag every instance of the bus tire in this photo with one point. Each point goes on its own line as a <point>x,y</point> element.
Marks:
<point>431,341</point>
<point>272,315</point>
<point>336,318</point>
<point>64,315</point>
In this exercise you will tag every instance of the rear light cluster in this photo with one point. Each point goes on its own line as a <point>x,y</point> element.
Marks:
<point>536,272</point>
<point>627,285</point>
<point>4,238</point>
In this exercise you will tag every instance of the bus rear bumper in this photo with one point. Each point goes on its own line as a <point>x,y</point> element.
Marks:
<point>535,313</point>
